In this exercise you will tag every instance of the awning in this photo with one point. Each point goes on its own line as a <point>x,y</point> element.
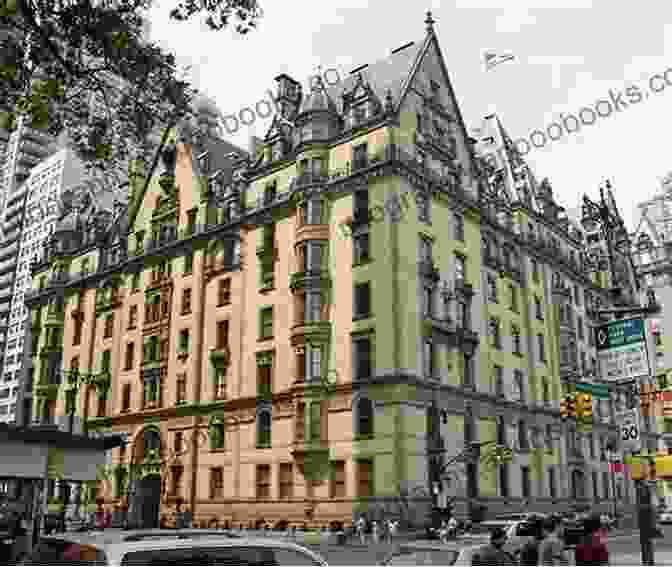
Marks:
<point>28,452</point>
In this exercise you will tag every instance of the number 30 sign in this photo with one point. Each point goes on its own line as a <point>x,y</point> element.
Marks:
<point>629,421</point>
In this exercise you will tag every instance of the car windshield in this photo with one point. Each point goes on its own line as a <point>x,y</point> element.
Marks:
<point>63,552</point>
<point>412,556</point>
<point>224,555</point>
<point>487,527</point>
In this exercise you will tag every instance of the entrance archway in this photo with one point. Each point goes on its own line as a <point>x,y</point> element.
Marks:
<point>146,484</point>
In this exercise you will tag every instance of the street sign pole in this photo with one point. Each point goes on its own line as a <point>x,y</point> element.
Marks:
<point>623,354</point>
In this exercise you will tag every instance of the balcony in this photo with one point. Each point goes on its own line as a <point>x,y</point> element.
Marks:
<point>311,457</point>
<point>309,279</point>
<point>315,331</point>
<point>310,178</point>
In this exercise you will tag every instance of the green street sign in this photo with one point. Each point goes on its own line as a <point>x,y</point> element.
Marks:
<point>600,391</point>
<point>620,333</point>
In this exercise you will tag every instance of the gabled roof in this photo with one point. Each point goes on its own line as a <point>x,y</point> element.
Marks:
<point>389,74</point>
<point>647,227</point>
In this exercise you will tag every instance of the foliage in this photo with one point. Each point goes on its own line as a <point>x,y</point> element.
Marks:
<point>83,68</point>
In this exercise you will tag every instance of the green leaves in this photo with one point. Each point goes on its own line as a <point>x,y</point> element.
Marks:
<point>7,121</point>
<point>67,64</point>
<point>8,8</point>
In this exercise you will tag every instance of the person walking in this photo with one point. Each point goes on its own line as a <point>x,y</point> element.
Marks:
<point>361,530</point>
<point>592,550</point>
<point>552,548</point>
<point>375,532</point>
<point>493,554</point>
<point>392,530</point>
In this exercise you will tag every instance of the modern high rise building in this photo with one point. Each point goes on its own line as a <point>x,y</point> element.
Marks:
<point>266,364</point>
<point>37,206</point>
<point>25,149</point>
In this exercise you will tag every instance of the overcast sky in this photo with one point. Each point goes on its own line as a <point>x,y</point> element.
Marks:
<point>569,54</point>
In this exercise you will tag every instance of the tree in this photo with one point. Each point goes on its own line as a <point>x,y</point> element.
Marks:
<point>83,68</point>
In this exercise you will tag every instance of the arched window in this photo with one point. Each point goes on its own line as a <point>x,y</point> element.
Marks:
<point>264,428</point>
<point>364,416</point>
<point>152,440</point>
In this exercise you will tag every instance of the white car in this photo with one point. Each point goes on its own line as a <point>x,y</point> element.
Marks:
<point>432,554</point>
<point>167,547</point>
<point>665,517</point>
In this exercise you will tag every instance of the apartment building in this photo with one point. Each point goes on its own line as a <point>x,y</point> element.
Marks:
<point>265,367</point>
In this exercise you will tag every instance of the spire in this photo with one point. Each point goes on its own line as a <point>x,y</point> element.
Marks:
<point>429,21</point>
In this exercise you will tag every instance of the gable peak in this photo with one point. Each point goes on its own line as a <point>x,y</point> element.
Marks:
<point>429,22</point>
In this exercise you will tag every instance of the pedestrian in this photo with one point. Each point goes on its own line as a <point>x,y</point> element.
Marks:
<point>493,554</point>
<point>375,532</point>
<point>591,550</point>
<point>391,530</point>
<point>552,549</point>
<point>361,530</point>
<point>530,555</point>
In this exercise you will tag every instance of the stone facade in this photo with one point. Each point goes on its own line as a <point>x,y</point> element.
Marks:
<point>265,367</point>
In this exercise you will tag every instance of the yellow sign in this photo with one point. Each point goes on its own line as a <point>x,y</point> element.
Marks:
<point>640,468</point>
<point>55,463</point>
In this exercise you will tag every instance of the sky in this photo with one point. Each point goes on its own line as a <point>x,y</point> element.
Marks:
<point>568,55</point>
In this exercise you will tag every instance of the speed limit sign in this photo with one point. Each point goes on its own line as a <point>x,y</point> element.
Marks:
<point>629,427</point>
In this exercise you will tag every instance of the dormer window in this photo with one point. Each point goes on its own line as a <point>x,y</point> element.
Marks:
<point>270,192</point>
<point>204,163</point>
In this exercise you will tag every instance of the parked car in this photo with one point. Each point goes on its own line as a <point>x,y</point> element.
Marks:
<point>519,530</point>
<point>432,554</point>
<point>665,517</point>
<point>167,547</point>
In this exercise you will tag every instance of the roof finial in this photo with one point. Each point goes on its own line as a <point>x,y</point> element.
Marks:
<point>429,21</point>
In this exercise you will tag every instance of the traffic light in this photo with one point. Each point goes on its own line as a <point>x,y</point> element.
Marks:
<point>568,406</point>
<point>584,406</point>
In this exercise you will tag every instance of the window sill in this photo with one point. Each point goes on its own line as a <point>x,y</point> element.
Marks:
<point>131,327</point>
<point>185,312</point>
<point>185,274</point>
<point>264,339</point>
<point>218,449</point>
<point>363,437</point>
<point>363,262</point>
<point>223,303</point>
<point>267,288</point>
<point>263,446</point>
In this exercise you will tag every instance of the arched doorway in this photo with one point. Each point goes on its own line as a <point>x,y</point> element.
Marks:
<point>145,486</point>
<point>578,485</point>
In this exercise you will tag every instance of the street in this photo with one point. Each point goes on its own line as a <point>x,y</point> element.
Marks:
<point>624,549</point>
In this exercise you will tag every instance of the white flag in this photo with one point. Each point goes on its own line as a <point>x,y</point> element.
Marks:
<point>492,59</point>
